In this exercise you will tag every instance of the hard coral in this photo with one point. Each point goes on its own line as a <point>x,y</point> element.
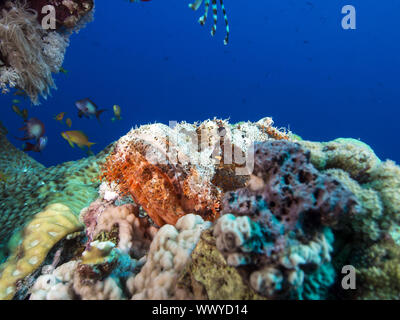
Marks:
<point>38,237</point>
<point>378,272</point>
<point>102,271</point>
<point>276,226</point>
<point>370,223</point>
<point>350,155</point>
<point>285,182</point>
<point>168,255</point>
<point>98,276</point>
<point>33,188</point>
<point>134,234</point>
<point>105,265</point>
<point>56,285</point>
<point>208,276</point>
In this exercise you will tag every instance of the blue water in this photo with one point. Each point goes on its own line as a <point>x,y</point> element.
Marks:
<point>288,59</point>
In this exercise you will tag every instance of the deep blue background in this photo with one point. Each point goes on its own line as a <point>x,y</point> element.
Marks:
<point>288,59</point>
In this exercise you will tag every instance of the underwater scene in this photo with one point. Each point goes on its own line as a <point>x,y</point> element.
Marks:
<point>199,150</point>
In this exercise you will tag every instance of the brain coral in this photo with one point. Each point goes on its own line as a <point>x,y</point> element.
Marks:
<point>372,245</point>
<point>37,238</point>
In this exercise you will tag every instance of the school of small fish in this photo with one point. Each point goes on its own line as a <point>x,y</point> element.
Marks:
<point>34,128</point>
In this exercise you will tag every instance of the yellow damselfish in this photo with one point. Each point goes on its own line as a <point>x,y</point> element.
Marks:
<point>77,137</point>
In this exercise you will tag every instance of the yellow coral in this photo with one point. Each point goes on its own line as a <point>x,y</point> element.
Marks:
<point>368,222</point>
<point>38,237</point>
<point>99,252</point>
<point>386,180</point>
<point>379,273</point>
<point>210,277</point>
<point>350,155</point>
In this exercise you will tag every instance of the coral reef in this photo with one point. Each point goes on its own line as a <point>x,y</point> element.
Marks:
<point>378,272</point>
<point>208,210</point>
<point>350,155</point>
<point>134,234</point>
<point>55,284</point>
<point>105,272</point>
<point>168,255</point>
<point>208,276</point>
<point>368,223</point>
<point>376,183</point>
<point>371,245</point>
<point>101,271</point>
<point>277,225</point>
<point>34,187</point>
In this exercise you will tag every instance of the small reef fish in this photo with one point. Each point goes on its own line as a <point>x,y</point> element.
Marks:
<point>34,129</point>
<point>77,137</point>
<point>68,122</point>
<point>22,113</point>
<point>60,116</point>
<point>88,108</point>
<point>63,70</point>
<point>16,110</point>
<point>20,93</point>
<point>38,146</point>
<point>117,113</point>
<point>16,101</point>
